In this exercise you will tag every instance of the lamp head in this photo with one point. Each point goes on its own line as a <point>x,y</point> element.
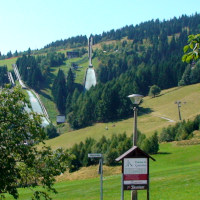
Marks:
<point>135,98</point>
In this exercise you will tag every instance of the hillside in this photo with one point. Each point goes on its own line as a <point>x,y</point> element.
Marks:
<point>174,175</point>
<point>161,106</point>
<point>126,60</point>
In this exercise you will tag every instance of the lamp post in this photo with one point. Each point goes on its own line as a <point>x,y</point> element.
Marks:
<point>135,99</point>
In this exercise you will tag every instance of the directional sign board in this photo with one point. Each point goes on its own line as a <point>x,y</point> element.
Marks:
<point>100,156</point>
<point>94,155</point>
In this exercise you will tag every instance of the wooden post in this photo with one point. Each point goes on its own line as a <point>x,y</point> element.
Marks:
<point>101,177</point>
<point>122,187</point>
<point>148,197</point>
<point>134,195</point>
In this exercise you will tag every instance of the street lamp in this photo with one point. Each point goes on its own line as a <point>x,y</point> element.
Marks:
<point>135,99</point>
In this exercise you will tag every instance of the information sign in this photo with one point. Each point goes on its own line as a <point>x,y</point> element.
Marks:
<point>135,173</point>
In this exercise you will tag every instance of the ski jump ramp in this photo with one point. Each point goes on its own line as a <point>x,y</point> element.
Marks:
<point>90,76</point>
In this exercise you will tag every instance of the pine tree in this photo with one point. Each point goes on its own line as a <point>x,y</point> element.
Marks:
<point>70,82</point>
<point>59,92</point>
<point>154,145</point>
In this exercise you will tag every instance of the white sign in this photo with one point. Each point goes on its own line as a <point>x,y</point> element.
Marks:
<point>135,171</point>
<point>94,155</point>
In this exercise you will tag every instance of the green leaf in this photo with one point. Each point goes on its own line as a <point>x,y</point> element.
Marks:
<point>185,49</point>
<point>191,45</point>
<point>189,58</point>
<point>184,58</point>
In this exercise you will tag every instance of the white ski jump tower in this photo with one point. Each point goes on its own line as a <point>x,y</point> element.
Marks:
<point>90,76</point>
<point>90,51</point>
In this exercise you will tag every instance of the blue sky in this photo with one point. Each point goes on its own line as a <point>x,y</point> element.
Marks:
<point>35,23</point>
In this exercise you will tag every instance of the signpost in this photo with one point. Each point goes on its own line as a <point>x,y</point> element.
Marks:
<point>98,155</point>
<point>135,171</point>
<point>94,155</point>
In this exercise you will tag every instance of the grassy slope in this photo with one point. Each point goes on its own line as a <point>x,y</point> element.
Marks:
<point>147,123</point>
<point>174,175</point>
<point>46,95</point>
<point>8,62</point>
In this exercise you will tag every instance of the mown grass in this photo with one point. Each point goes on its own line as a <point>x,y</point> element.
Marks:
<point>164,105</point>
<point>148,123</point>
<point>8,62</point>
<point>47,100</point>
<point>174,176</point>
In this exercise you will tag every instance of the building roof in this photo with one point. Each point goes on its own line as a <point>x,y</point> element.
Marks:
<point>60,118</point>
<point>134,152</point>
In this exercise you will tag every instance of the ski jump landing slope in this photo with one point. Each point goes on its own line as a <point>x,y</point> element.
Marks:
<point>36,104</point>
<point>90,78</point>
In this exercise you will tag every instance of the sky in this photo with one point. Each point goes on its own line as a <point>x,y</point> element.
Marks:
<point>36,23</point>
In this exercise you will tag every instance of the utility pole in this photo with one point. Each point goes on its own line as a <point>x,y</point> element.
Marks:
<point>179,110</point>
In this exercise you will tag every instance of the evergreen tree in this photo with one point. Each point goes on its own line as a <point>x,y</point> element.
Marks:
<point>16,53</point>
<point>154,145</point>
<point>59,92</point>
<point>70,82</point>
<point>9,54</point>
<point>3,76</point>
<point>185,80</point>
<point>51,131</point>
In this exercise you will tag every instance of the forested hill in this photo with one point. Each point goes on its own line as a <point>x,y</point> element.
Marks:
<point>149,29</point>
<point>150,54</point>
<point>128,60</point>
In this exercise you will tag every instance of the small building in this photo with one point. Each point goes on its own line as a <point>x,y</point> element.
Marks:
<point>60,119</point>
<point>72,54</point>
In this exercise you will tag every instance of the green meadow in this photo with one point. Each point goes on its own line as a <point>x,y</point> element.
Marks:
<point>148,123</point>
<point>174,175</point>
<point>8,62</point>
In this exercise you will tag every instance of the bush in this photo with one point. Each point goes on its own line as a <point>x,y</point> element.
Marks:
<point>51,131</point>
<point>110,157</point>
<point>180,131</point>
<point>110,148</point>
